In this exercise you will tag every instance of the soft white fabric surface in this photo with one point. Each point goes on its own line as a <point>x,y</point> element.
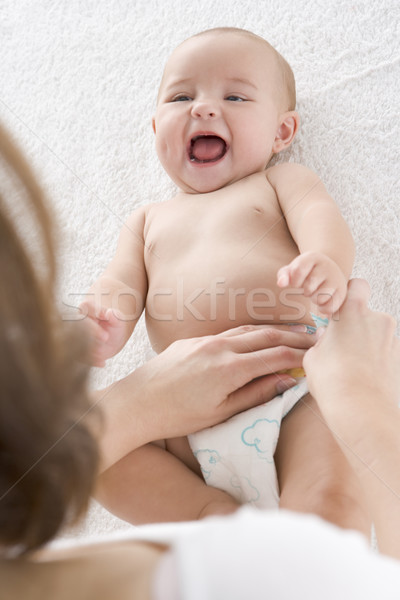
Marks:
<point>78,88</point>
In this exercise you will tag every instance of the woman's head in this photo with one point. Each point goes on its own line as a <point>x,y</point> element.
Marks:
<point>48,458</point>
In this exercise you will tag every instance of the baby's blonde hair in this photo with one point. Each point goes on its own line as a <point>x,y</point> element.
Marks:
<point>284,69</point>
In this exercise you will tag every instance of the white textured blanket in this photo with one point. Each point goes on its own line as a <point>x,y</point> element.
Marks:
<point>78,88</point>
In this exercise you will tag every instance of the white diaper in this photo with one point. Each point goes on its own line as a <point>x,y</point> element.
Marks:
<point>238,456</point>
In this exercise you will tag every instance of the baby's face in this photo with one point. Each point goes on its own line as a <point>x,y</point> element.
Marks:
<point>218,112</point>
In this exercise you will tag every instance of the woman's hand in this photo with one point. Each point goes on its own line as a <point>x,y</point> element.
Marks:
<point>355,365</point>
<point>206,380</point>
<point>196,383</point>
<point>354,375</point>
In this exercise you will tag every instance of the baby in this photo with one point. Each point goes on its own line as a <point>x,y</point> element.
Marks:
<point>240,243</point>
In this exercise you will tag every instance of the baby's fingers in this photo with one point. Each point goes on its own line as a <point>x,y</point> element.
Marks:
<point>87,309</point>
<point>296,273</point>
<point>313,283</point>
<point>97,333</point>
<point>328,300</point>
<point>90,309</point>
<point>283,277</point>
<point>113,317</point>
<point>97,360</point>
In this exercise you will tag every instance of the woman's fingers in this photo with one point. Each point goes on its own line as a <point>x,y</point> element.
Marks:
<point>257,392</point>
<point>358,294</point>
<point>249,352</point>
<point>269,337</point>
<point>243,329</point>
<point>270,360</point>
<point>236,331</point>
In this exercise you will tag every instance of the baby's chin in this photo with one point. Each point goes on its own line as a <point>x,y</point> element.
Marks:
<point>205,179</point>
<point>204,185</point>
<point>200,189</point>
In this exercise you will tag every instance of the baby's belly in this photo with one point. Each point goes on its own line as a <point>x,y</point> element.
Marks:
<point>194,307</point>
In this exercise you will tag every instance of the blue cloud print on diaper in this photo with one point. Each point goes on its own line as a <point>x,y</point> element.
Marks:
<point>262,435</point>
<point>248,492</point>
<point>207,460</point>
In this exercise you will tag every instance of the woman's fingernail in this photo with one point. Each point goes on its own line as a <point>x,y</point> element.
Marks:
<point>298,328</point>
<point>285,384</point>
<point>301,328</point>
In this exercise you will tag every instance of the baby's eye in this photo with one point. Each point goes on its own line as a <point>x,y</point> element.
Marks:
<point>181,98</point>
<point>233,98</point>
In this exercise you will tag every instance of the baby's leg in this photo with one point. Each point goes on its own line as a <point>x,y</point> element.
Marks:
<point>151,485</point>
<point>314,475</point>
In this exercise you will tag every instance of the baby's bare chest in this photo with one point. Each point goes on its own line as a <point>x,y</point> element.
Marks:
<point>213,235</point>
<point>212,264</point>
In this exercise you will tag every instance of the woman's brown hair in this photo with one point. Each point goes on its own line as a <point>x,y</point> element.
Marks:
<point>48,456</point>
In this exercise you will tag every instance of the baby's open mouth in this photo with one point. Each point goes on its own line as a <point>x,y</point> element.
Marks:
<point>206,148</point>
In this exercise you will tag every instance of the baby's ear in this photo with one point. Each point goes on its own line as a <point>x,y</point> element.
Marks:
<point>288,125</point>
<point>153,124</point>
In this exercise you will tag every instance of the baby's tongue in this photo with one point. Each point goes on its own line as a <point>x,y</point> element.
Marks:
<point>207,148</point>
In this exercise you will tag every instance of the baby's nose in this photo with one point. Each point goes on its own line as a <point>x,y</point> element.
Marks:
<point>205,109</point>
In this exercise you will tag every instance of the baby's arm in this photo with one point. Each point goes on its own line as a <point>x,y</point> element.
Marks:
<point>324,240</point>
<point>116,300</point>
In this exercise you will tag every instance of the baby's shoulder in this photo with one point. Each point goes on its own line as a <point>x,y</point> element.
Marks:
<point>155,212</point>
<point>284,172</point>
<point>141,213</point>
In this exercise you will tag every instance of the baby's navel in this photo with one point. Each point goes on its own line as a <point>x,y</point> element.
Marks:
<point>258,210</point>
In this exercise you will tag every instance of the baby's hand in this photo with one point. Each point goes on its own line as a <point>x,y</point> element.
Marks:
<point>107,329</point>
<point>320,277</point>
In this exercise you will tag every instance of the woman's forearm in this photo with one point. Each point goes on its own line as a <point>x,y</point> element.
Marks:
<point>125,424</point>
<point>375,458</point>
